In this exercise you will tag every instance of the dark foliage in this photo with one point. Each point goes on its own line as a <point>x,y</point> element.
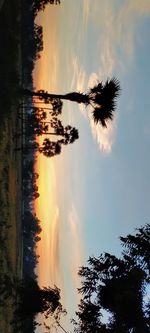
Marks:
<point>118,286</point>
<point>34,300</point>
<point>38,5</point>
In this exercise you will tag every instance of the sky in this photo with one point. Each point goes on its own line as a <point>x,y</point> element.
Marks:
<point>98,188</point>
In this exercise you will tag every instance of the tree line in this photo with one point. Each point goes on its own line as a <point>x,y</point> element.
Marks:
<point>31,225</point>
<point>31,35</point>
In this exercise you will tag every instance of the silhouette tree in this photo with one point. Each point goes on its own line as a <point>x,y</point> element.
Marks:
<point>33,300</point>
<point>137,247</point>
<point>55,108</point>
<point>41,4</point>
<point>68,133</point>
<point>118,286</point>
<point>122,297</point>
<point>101,98</point>
<point>50,148</point>
<point>89,318</point>
<point>37,124</point>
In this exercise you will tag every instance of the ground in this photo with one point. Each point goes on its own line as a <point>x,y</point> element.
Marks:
<point>10,158</point>
<point>10,216</point>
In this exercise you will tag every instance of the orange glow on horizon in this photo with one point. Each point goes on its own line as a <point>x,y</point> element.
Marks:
<point>46,209</point>
<point>61,245</point>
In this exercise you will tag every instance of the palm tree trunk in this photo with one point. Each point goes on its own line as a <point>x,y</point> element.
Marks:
<point>49,133</point>
<point>43,94</point>
<point>74,96</point>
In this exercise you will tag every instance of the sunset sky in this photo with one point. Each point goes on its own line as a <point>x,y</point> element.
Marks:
<point>99,187</point>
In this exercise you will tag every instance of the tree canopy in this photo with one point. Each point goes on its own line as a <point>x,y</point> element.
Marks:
<point>118,286</point>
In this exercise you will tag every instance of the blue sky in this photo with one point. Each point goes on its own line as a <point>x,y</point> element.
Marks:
<point>115,184</point>
<point>103,182</point>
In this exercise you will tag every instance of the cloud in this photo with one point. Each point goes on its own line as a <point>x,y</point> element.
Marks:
<point>104,136</point>
<point>79,75</point>
<point>76,245</point>
<point>79,79</point>
<point>93,79</point>
<point>86,12</point>
<point>118,33</point>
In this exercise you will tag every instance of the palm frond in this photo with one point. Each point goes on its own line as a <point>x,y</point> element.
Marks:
<point>102,115</point>
<point>111,89</point>
<point>96,89</point>
<point>105,102</point>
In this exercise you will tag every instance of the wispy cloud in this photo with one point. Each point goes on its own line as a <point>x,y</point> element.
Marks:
<point>118,30</point>
<point>104,136</point>
<point>79,75</point>
<point>76,245</point>
<point>86,12</point>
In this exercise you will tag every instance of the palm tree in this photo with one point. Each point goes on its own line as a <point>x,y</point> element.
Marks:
<point>101,98</point>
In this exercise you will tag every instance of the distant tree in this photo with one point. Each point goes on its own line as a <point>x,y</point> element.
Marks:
<point>37,124</point>
<point>38,37</point>
<point>32,45</point>
<point>31,224</point>
<point>68,133</point>
<point>54,109</point>
<point>39,5</point>
<point>50,148</point>
<point>117,286</point>
<point>101,98</point>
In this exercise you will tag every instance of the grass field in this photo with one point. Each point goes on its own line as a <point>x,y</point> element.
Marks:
<point>10,159</point>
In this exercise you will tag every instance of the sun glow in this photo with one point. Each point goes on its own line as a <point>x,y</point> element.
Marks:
<point>46,208</point>
<point>48,213</point>
<point>61,245</point>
